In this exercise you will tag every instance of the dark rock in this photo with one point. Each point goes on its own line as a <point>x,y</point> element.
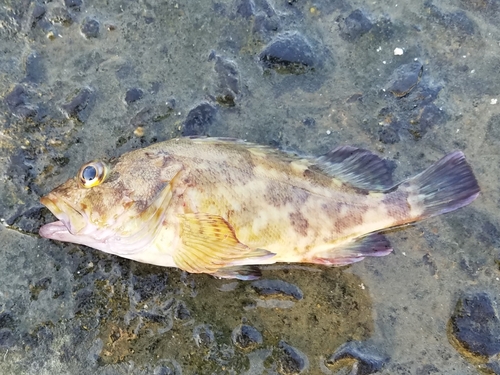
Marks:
<point>405,78</point>
<point>39,11</point>
<point>90,28</point>
<point>80,106</point>
<point>16,100</point>
<point>476,326</point>
<point>276,288</point>
<point>73,4</point>
<point>265,24</point>
<point>60,16</point>
<point>291,360</point>
<point>367,362</point>
<point>203,336</point>
<point>355,25</point>
<point>245,8</point>
<point>429,116</point>
<point>199,119</point>
<point>389,134</point>
<point>493,367</point>
<point>133,95</point>
<point>289,52</point>
<point>6,320</point>
<point>457,21</point>
<point>181,311</point>
<point>246,337</point>
<point>228,84</point>
<point>35,69</point>
<point>7,339</point>
<point>309,122</point>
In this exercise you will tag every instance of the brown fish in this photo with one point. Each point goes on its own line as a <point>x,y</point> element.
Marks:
<point>221,206</point>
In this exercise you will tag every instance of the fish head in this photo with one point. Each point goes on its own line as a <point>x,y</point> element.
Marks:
<point>116,206</point>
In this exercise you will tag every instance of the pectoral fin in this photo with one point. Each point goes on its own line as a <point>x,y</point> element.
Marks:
<point>209,244</point>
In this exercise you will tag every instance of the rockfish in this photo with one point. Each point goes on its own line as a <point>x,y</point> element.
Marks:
<point>223,206</point>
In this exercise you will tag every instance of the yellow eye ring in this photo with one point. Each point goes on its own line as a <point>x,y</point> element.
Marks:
<point>92,174</point>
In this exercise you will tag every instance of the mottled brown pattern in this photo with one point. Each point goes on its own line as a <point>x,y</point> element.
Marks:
<point>396,204</point>
<point>299,223</point>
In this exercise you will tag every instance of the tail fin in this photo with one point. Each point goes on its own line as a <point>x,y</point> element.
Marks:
<point>446,185</point>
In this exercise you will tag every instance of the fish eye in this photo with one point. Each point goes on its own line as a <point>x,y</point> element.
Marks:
<point>92,174</point>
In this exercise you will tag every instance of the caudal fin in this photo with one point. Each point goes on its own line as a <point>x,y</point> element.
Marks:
<point>446,185</point>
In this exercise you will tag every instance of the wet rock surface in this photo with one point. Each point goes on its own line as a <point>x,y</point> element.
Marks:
<point>302,76</point>
<point>367,360</point>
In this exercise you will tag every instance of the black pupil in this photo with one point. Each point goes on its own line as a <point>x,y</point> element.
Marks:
<point>89,173</point>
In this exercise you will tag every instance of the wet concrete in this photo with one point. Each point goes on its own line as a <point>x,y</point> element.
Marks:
<point>81,80</point>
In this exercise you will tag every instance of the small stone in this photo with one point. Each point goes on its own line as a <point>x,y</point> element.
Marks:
<point>405,78</point>
<point>367,362</point>
<point>246,337</point>
<point>38,12</point>
<point>203,336</point>
<point>277,288</point>
<point>429,116</point>
<point>6,338</point>
<point>17,101</point>
<point>79,107</point>
<point>181,311</point>
<point>289,52</point>
<point>476,326</point>
<point>35,69</point>
<point>73,4</point>
<point>199,119</point>
<point>133,95</point>
<point>90,28</point>
<point>245,8</point>
<point>228,84</point>
<point>291,360</point>
<point>309,122</point>
<point>355,25</point>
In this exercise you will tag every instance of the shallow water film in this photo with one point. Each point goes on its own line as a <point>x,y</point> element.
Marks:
<point>411,81</point>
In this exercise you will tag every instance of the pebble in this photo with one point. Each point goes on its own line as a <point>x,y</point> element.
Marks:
<point>367,362</point>
<point>17,101</point>
<point>246,337</point>
<point>289,52</point>
<point>203,335</point>
<point>228,81</point>
<point>245,8</point>
<point>476,326</point>
<point>199,119</point>
<point>133,95</point>
<point>90,28</point>
<point>291,360</point>
<point>35,69</point>
<point>73,4</point>
<point>79,107</point>
<point>275,288</point>
<point>355,25</point>
<point>405,78</point>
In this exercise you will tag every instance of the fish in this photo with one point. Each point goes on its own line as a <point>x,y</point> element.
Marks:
<point>225,207</point>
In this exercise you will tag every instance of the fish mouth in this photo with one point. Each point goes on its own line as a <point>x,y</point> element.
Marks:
<point>71,221</point>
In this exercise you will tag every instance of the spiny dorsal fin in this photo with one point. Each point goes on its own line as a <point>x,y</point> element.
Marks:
<point>209,245</point>
<point>358,167</point>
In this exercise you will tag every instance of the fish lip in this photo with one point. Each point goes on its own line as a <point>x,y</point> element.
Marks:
<point>69,217</point>
<point>53,230</point>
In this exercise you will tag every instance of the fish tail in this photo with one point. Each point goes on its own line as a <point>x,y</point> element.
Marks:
<point>445,186</point>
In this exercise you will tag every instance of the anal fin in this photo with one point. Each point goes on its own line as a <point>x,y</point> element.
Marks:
<point>239,272</point>
<point>372,245</point>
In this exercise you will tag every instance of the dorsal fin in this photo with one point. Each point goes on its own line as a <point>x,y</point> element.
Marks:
<point>358,167</point>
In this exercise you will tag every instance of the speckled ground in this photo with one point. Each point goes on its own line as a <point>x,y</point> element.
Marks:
<point>85,79</point>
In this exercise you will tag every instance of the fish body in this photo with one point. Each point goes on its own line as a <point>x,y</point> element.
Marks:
<point>222,207</point>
